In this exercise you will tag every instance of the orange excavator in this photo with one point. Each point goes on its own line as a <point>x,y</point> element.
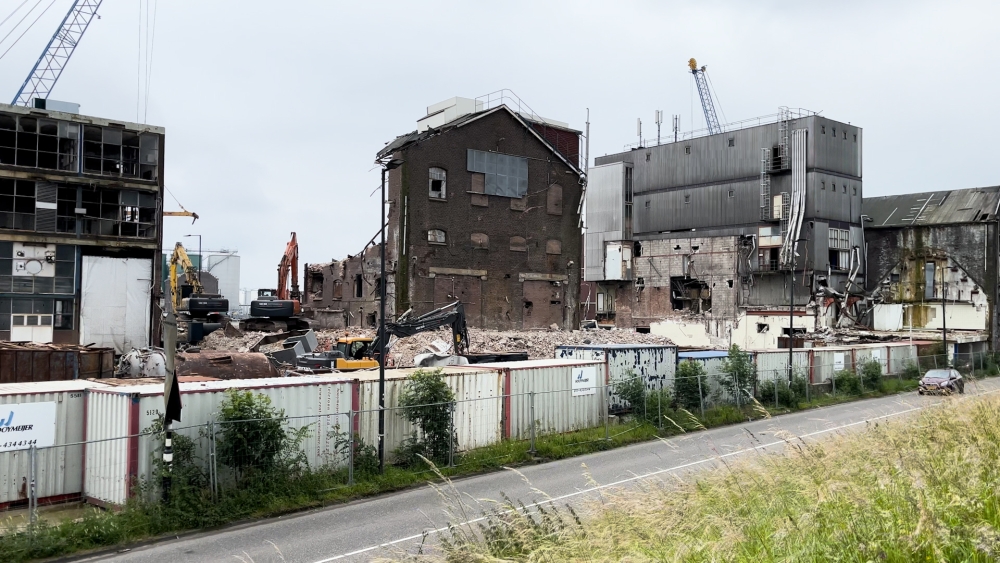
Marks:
<point>278,309</point>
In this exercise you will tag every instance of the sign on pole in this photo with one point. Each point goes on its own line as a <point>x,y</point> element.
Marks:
<point>24,425</point>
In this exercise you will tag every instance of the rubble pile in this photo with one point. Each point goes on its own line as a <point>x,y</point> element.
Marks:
<point>219,341</point>
<point>538,343</point>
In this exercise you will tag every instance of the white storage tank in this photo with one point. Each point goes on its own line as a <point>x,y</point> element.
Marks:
<point>655,364</point>
<point>116,416</point>
<point>60,468</point>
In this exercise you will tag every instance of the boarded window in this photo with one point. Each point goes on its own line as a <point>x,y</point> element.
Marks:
<point>553,203</point>
<point>438,183</point>
<point>478,189</point>
<point>518,244</point>
<point>480,240</point>
<point>338,289</point>
<point>553,247</point>
<point>436,236</point>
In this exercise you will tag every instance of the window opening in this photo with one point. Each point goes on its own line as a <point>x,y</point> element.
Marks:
<point>506,175</point>
<point>438,183</point>
<point>358,286</point>
<point>436,236</point>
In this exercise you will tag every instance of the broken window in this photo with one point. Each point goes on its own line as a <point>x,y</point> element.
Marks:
<point>690,293</point>
<point>478,189</point>
<point>17,204</point>
<point>554,199</point>
<point>505,175</point>
<point>768,259</point>
<point>436,236</point>
<point>438,183</point>
<point>839,248</point>
<point>124,213</point>
<point>480,240</point>
<point>315,289</point>
<point>518,244</point>
<point>929,269</point>
<point>637,249</point>
<point>358,286</point>
<point>762,328</point>
<point>338,289</point>
<point>553,247</point>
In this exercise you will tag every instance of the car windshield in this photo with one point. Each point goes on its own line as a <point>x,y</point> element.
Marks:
<point>937,374</point>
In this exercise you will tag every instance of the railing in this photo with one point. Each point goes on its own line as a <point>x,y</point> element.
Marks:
<point>794,113</point>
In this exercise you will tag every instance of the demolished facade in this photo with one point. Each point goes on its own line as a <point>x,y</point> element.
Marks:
<point>80,229</point>
<point>933,253</point>
<point>710,228</point>
<point>484,210</point>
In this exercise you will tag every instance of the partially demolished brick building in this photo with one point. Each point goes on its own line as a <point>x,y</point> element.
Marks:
<point>484,210</point>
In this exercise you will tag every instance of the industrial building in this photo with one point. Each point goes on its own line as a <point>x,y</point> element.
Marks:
<point>711,227</point>
<point>933,264</point>
<point>485,210</point>
<point>80,228</point>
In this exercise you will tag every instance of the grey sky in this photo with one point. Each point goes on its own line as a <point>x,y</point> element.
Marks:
<point>274,111</point>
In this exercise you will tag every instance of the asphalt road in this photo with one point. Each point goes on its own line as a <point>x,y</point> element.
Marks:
<point>397,522</point>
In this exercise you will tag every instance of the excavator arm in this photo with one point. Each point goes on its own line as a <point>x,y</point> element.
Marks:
<point>180,259</point>
<point>452,315</point>
<point>289,267</point>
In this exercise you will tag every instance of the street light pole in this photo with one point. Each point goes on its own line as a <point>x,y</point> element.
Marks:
<point>386,166</point>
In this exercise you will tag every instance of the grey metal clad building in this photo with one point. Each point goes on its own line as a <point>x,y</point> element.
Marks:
<point>707,224</point>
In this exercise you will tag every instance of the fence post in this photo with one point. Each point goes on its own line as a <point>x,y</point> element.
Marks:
<point>659,405</point>
<point>212,480</point>
<point>32,491</point>
<point>607,412</point>
<point>451,435</point>
<point>833,382</point>
<point>645,401</point>
<point>775,381</point>
<point>531,406</point>
<point>350,449</point>
<point>701,397</point>
<point>861,379</point>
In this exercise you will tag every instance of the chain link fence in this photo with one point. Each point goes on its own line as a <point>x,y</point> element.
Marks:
<point>226,467</point>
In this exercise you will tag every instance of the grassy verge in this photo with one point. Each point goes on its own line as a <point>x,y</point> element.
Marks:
<point>193,508</point>
<point>921,489</point>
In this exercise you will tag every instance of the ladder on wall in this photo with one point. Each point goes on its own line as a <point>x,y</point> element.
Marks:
<point>765,184</point>
<point>784,118</point>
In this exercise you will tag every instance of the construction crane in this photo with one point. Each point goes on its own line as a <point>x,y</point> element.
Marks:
<point>279,309</point>
<point>44,75</point>
<point>711,119</point>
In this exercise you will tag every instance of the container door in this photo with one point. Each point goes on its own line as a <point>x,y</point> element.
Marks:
<point>115,306</point>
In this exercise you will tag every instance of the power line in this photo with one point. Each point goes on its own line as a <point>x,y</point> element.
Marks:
<point>15,11</point>
<point>138,68</point>
<point>29,28</point>
<point>18,24</point>
<point>149,58</point>
<point>716,94</point>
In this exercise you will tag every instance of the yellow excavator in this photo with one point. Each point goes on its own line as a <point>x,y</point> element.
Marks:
<point>198,313</point>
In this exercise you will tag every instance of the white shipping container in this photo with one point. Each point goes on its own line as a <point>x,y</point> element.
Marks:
<point>478,409</point>
<point>711,362</point>
<point>828,360</point>
<point>123,459</point>
<point>900,355</point>
<point>773,364</point>
<point>872,352</point>
<point>654,364</point>
<point>557,408</point>
<point>59,469</point>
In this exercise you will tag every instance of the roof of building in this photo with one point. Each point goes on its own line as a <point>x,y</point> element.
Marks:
<point>971,205</point>
<point>408,139</point>
<point>702,355</point>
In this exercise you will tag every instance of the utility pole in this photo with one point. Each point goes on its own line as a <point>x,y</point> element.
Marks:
<point>659,120</point>
<point>638,130</point>
<point>677,126</point>
<point>944,316</point>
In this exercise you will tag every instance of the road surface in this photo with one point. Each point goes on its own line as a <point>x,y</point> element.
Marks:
<point>398,522</point>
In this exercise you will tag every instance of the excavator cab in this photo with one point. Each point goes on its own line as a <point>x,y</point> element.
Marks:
<point>357,354</point>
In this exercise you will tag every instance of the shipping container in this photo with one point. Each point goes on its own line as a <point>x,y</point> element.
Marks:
<point>872,352</point>
<point>654,364</point>
<point>59,468</point>
<point>27,362</point>
<point>901,355</point>
<point>567,395</point>
<point>478,407</point>
<point>828,360</point>
<point>773,364</point>
<point>119,458</point>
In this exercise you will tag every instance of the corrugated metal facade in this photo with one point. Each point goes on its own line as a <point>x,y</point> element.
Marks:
<point>829,360</point>
<point>604,215</point>
<point>900,356</point>
<point>654,364</point>
<point>478,410</point>
<point>60,468</point>
<point>556,409</point>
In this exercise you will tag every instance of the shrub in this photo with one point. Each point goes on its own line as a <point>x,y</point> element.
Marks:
<point>789,394</point>
<point>686,386</point>
<point>253,438</point>
<point>910,370</point>
<point>870,372</point>
<point>426,402</point>
<point>739,374</point>
<point>846,382</point>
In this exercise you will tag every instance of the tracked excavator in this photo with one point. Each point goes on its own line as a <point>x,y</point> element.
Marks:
<point>353,353</point>
<point>278,310</point>
<point>198,313</point>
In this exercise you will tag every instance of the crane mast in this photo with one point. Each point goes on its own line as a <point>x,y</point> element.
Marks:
<point>707,105</point>
<point>43,76</point>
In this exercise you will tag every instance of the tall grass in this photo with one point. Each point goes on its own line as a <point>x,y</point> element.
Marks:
<point>923,488</point>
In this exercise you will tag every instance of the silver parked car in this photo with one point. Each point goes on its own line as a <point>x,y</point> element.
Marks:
<point>941,381</point>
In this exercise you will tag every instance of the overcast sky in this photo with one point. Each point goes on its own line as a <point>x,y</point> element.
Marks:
<point>274,110</point>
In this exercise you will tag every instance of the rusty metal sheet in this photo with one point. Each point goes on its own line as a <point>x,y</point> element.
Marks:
<point>26,362</point>
<point>225,365</point>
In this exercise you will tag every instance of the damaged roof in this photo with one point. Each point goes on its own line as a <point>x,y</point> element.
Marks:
<point>972,205</point>
<point>408,139</point>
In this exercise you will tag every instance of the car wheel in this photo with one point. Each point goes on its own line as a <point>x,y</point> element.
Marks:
<point>920,392</point>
